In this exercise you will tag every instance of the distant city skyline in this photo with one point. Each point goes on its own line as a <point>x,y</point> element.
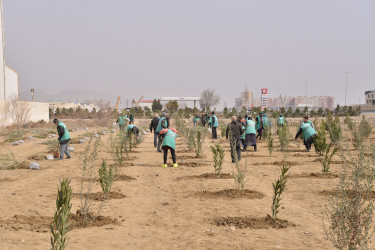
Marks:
<point>179,48</point>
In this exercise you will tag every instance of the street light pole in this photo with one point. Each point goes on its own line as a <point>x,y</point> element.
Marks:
<point>346,83</point>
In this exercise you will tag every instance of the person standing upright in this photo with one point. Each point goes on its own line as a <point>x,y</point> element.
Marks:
<point>281,120</point>
<point>259,125</point>
<point>64,138</point>
<point>215,124</point>
<point>131,118</point>
<point>234,132</point>
<point>153,126</point>
<point>250,134</point>
<point>121,121</point>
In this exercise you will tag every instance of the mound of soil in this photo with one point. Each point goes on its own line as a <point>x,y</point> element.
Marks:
<point>41,224</point>
<point>99,196</point>
<point>192,164</point>
<point>288,163</point>
<point>187,157</point>
<point>303,155</point>
<point>230,194</point>
<point>206,176</point>
<point>37,157</point>
<point>23,165</point>
<point>252,222</point>
<point>315,175</point>
<point>332,162</point>
<point>277,163</point>
<point>123,177</point>
<point>352,193</point>
<point>182,151</point>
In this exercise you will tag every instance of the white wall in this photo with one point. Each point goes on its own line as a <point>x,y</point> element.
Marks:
<point>11,83</point>
<point>38,111</point>
<point>2,61</point>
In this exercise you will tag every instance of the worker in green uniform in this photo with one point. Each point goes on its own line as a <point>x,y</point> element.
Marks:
<point>163,123</point>
<point>308,133</point>
<point>121,122</point>
<point>250,134</point>
<point>214,124</point>
<point>64,138</point>
<point>195,120</point>
<point>169,143</point>
<point>259,125</point>
<point>281,120</point>
<point>132,129</point>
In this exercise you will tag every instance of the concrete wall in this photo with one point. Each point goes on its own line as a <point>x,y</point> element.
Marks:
<point>38,111</point>
<point>11,83</point>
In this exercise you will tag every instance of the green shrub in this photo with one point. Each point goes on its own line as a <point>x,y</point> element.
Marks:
<point>8,161</point>
<point>348,218</point>
<point>278,189</point>
<point>61,225</point>
<point>283,134</point>
<point>106,177</point>
<point>218,158</point>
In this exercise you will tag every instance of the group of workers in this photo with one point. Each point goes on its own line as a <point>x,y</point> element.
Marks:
<point>240,132</point>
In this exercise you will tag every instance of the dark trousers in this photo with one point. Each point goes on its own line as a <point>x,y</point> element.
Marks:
<point>250,141</point>
<point>260,131</point>
<point>243,144</point>
<point>214,133</point>
<point>235,149</point>
<point>156,138</point>
<point>122,127</point>
<point>308,143</point>
<point>173,153</point>
<point>160,140</point>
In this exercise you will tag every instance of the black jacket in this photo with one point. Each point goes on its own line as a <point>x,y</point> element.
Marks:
<point>154,123</point>
<point>235,128</point>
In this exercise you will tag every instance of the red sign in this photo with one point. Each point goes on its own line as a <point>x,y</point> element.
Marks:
<point>264,91</point>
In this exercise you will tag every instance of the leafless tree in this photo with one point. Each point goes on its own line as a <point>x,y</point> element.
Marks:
<point>209,99</point>
<point>19,111</point>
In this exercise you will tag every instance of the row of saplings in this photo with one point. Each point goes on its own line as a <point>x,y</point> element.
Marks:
<point>348,217</point>
<point>119,146</point>
<point>195,138</point>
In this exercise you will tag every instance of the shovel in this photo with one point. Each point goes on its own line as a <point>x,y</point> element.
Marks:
<point>57,153</point>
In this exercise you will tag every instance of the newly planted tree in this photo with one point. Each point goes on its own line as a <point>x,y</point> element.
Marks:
<point>331,148</point>
<point>196,138</point>
<point>284,134</point>
<point>218,158</point>
<point>348,218</point>
<point>270,141</point>
<point>320,139</point>
<point>239,172</point>
<point>61,225</point>
<point>278,189</point>
<point>106,177</point>
<point>88,159</point>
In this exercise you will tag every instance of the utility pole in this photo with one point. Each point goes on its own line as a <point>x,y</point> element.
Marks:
<point>307,80</point>
<point>346,83</point>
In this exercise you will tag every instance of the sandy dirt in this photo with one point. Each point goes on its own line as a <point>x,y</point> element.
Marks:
<point>172,208</point>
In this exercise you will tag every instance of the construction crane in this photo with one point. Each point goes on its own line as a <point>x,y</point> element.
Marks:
<point>136,103</point>
<point>117,103</point>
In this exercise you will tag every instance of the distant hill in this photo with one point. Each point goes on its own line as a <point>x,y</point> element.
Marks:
<point>71,95</point>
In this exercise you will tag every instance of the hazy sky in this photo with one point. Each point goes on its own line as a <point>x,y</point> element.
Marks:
<point>178,48</point>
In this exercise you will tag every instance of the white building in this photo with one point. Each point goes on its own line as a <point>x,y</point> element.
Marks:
<point>9,92</point>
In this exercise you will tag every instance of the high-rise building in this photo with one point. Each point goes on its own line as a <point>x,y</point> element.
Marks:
<point>313,102</point>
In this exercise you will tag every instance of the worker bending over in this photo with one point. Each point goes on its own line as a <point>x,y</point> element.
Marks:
<point>169,142</point>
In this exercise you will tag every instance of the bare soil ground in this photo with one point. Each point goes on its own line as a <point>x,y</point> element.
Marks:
<point>169,208</point>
